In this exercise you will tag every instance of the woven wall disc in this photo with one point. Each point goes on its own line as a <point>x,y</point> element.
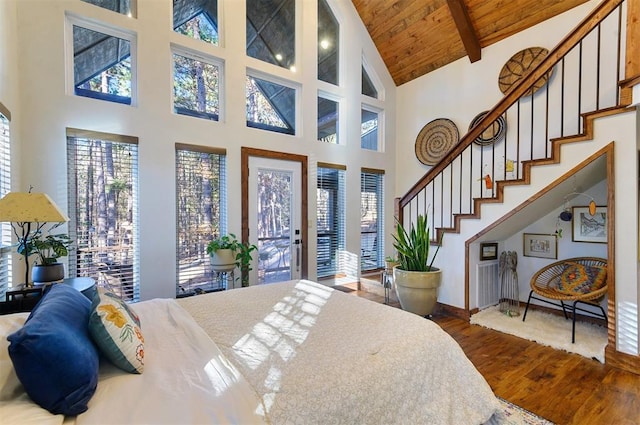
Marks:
<point>435,140</point>
<point>516,68</point>
<point>493,133</point>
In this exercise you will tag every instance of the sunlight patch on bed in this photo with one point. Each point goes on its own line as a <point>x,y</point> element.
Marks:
<point>286,327</point>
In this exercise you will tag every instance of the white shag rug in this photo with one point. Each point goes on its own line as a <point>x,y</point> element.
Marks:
<point>547,329</point>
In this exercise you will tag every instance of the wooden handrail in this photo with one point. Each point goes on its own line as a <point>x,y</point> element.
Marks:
<point>516,92</point>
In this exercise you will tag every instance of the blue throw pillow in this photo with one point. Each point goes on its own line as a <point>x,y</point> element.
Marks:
<point>53,355</point>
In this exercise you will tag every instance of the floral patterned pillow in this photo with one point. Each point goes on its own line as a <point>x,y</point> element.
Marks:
<point>115,329</point>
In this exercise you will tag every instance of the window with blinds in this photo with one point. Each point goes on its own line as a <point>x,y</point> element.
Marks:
<point>331,218</point>
<point>5,187</point>
<point>103,210</point>
<point>371,219</point>
<point>201,215</point>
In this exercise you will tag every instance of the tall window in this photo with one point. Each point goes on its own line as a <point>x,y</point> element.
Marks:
<point>271,31</point>
<point>196,19</point>
<point>200,215</point>
<point>369,134</point>
<point>371,219</point>
<point>103,208</point>
<point>102,62</point>
<point>196,87</point>
<point>328,44</point>
<point>270,106</point>
<point>5,187</point>
<point>331,217</point>
<point>328,115</point>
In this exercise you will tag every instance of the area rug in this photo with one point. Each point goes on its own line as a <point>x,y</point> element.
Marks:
<point>516,415</point>
<point>547,329</point>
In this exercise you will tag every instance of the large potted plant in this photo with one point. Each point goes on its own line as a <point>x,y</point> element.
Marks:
<point>415,278</point>
<point>47,249</point>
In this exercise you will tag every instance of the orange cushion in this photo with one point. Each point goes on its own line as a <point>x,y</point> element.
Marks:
<point>581,279</point>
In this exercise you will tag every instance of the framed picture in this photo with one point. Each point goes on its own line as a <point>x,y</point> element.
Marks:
<point>540,245</point>
<point>589,228</point>
<point>488,251</point>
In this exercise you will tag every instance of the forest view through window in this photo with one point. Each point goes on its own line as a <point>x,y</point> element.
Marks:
<point>103,208</point>
<point>200,215</point>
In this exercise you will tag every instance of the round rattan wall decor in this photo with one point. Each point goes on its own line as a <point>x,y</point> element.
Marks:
<point>516,68</point>
<point>493,133</point>
<point>436,139</point>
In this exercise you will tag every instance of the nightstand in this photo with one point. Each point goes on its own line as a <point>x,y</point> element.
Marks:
<point>21,298</point>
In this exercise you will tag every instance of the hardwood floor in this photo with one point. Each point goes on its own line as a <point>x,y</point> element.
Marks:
<point>562,387</point>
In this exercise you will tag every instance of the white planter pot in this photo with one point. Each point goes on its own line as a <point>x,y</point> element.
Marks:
<point>417,291</point>
<point>223,260</point>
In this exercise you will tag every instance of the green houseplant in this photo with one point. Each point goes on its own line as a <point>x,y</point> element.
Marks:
<point>416,280</point>
<point>47,249</point>
<point>227,253</point>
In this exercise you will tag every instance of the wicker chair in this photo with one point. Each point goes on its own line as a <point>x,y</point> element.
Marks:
<point>545,284</point>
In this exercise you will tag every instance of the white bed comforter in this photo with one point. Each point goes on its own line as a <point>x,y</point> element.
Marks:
<point>318,356</point>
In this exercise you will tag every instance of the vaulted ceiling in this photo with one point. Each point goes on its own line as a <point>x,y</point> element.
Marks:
<point>415,37</point>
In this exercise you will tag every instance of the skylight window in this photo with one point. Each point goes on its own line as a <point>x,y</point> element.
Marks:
<point>201,26</point>
<point>270,106</point>
<point>102,67</point>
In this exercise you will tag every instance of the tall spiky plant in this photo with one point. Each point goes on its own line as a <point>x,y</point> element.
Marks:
<point>413,246</point>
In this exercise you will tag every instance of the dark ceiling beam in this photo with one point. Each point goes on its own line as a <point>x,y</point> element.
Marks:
<point>465,29</point>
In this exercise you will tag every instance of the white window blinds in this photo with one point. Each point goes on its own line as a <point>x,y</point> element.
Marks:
<point>371,219</point>
<point>201,214</point>
<point>5,187</point>
<point>103,208</point>
<point>331,218</point>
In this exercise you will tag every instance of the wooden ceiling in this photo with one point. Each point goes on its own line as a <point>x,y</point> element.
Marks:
<point>415,37</point>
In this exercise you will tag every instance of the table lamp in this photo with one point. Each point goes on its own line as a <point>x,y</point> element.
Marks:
<point>24,208</point>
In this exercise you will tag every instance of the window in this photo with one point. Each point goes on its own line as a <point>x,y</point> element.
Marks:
<point>103,208</point>
<point>196,19</point>
<point>5,187</point>
<point>271,31</point>
<point>331,217</point>
<point>328,121</point>
<point>196,87</point>
<point>102,63</point>
<point>124,7</point>
<point>369,134</point>
<point>368,88</point>
<point>270,106</point>
<point>200,215</point>
<point>371,219</point>
<point>328,44</point>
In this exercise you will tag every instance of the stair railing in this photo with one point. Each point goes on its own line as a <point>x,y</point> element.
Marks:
<point>583,71</point>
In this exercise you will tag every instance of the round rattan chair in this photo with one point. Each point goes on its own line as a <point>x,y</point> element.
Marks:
<point>545,283</point>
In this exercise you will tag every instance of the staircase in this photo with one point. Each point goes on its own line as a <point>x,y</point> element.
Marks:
<point>584,73</point>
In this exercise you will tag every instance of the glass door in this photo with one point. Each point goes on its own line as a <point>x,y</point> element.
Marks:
<point>274,219</point>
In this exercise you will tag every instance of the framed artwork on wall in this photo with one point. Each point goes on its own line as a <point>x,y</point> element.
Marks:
<point>488,251</point>
<point>540,245</point>
<point>587,227</point>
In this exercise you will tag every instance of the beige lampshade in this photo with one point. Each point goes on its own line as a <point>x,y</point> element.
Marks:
<point>23,207</point>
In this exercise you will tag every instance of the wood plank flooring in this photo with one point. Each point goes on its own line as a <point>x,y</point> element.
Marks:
<point>562,387</point>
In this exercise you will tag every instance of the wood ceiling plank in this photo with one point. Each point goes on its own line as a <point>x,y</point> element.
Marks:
<point>415,37</point>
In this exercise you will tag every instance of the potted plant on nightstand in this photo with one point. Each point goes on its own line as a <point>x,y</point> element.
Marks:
<point>48,249</point>
<point>416,280</point>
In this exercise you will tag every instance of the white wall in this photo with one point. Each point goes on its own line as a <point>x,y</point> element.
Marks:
<point>49,110</point>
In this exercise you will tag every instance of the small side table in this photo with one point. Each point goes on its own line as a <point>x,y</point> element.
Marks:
<point>387,282</point>
<point>86,285</point>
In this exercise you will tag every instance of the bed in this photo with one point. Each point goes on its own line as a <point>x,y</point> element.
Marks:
<point>289,353</point>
